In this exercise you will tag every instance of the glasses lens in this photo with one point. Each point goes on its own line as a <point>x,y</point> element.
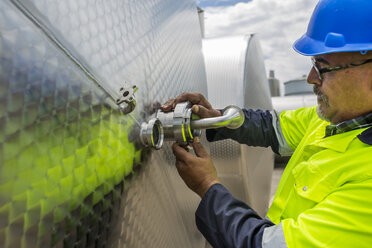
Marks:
<point>316,68</point>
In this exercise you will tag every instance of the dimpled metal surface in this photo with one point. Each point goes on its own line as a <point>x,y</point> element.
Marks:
<point>154,44</point>
<point>70,172</point>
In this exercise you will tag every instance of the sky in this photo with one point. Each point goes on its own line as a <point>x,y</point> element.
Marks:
<point>278,23</point>
<point>214,3</point>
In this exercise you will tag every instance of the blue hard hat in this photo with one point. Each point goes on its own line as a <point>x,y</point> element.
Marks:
<point>338,26</point>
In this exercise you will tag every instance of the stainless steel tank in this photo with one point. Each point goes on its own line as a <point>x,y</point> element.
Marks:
<point>71,174</point>
<point>293,102</point>
<point>298,86</point>
<point>236,75</point>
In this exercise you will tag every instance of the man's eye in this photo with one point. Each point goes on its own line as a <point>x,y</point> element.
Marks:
<point>321,66</point>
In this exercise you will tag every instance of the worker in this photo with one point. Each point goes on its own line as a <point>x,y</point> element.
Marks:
<point>324,198</point>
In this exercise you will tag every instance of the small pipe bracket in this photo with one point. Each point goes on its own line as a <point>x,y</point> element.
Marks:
<point>127,101</point>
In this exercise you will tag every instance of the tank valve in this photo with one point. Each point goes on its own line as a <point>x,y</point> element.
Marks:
<point>127,102</point>
<point>180,126</point>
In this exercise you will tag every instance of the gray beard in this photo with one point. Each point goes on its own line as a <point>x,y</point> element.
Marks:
<point>321,115</point>
<point>325,100</point>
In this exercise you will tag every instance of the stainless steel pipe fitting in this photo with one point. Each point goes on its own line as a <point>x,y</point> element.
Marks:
<point>232,118</point>
<point>152,134</point>
<point>179,126</point>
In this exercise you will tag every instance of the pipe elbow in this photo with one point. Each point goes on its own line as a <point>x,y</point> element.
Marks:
<point>232,118</point>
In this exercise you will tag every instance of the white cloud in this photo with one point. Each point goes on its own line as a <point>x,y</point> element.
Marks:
<point>277,23</point>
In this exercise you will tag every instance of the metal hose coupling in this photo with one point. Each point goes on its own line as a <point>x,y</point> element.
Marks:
<point>180,125</point>
<point>152,134</point>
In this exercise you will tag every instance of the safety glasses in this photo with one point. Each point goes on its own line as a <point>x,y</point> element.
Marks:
<point>321,71</point>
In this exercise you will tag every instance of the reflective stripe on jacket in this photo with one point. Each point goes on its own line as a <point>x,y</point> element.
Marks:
<point>324,198</point>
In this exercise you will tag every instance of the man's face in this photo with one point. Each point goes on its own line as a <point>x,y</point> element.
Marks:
<point>343,94</point>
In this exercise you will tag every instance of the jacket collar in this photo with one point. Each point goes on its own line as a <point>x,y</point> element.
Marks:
<point>360,122</point>
<point>366,136</point>
<point>339,142</point>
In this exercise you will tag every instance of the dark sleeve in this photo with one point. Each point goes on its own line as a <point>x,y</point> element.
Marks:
<point>228,222</point>
<point>257,130</point>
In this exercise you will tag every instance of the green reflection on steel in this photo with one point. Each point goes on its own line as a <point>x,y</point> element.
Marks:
<point>56,171</point>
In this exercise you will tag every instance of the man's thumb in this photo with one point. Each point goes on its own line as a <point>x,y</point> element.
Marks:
<point>198,148</point>
<point>201,111</point>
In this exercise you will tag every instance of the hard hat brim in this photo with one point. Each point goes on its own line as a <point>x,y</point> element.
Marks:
<point>311,47</point>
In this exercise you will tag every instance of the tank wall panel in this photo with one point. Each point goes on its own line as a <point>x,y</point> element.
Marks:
<point>71,173</point>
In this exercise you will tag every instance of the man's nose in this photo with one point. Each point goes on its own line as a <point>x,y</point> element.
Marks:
<point>313,77</point>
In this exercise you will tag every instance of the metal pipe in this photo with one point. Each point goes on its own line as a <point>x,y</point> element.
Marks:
<point>232,118</point>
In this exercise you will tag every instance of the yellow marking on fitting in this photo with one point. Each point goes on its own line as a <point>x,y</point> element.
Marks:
<point>190,132</point>
<point>183,133</point>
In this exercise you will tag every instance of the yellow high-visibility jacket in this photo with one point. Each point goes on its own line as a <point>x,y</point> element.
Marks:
<point>324,198</point>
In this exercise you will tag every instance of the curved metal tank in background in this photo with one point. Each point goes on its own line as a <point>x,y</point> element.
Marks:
<point>71,174</point>
<point>236,75</point>
<point>297,94</point>
<point>298,86</point>
<point>293,102</point>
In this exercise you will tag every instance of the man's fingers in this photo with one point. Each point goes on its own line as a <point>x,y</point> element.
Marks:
<point>199,149</point>
<point>193,97</point>
<point>180,153</point>
<point>203,112</point>
<point>166,107</point>
<point>203,109</point>
<point>187,96</point>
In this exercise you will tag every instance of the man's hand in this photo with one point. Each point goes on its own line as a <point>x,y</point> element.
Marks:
<point>201,106</point>
<point>198,172</point>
